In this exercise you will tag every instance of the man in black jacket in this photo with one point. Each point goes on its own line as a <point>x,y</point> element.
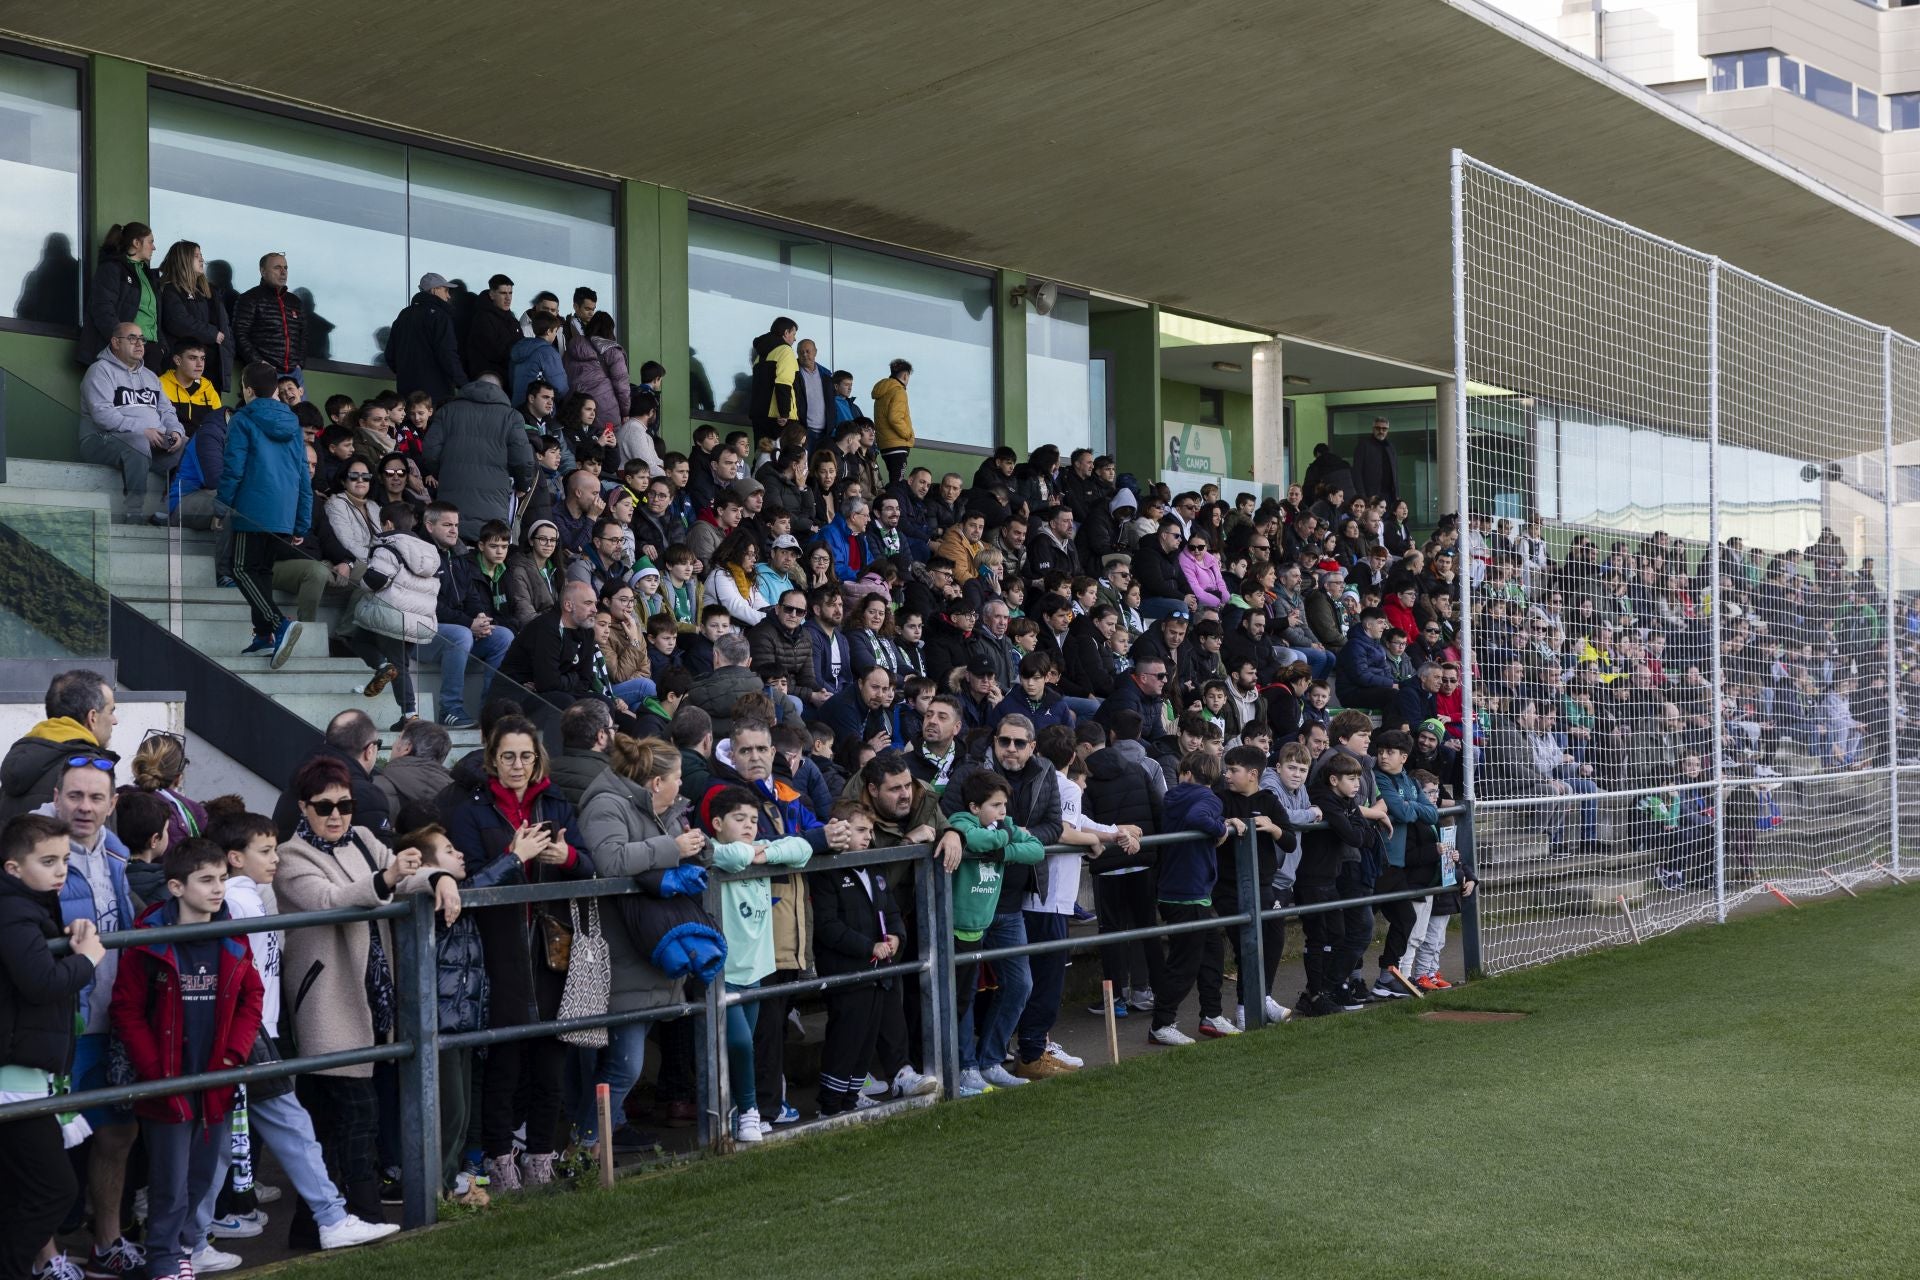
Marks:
<point>494,330</point>
<point>552,658</point>
<point>422,349</point>
<point>1156,565</point>
<point>1376,470</point>
<point>1118,794</point>
<point>268,321</point>
<point>352,739</point>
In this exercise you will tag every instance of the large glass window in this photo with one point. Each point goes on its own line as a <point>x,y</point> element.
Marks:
<point>361,219</point>
<point>1904,110</point>
<point>39,192</point>
<point>1829,91</point>
<point>861,309</point>
<point>1060,390</point>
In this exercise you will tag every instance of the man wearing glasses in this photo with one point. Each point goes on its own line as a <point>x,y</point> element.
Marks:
<point>1034,803</point>
<point>1143,691</point>
<point>130,425</point>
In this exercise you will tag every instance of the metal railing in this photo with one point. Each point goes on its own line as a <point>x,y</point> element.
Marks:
<point>420,1042</point>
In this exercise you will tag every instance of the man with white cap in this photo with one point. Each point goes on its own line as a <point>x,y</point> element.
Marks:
<point>422,350</point>
<point>775,575</point>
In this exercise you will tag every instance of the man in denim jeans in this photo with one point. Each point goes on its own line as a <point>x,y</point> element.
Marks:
<point>464,627</point>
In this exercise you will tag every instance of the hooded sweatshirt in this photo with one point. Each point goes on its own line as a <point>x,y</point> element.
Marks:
<point>263,473</point>
<point>1188,869</point>
<point>128,403</point>
<point>32,767</point>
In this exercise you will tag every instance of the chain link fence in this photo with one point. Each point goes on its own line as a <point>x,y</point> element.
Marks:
<point>1685,536</point>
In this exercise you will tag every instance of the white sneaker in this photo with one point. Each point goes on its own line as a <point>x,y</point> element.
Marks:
<point>1000,1078</point>
<point>1169,1035</point>
<point>238,1226</point>
<point>1140,998</point>
<point>861,1102</point>
<point>1059,1054</point>
<point>139,1205</point>
<point>60,1267</point>
<point>265,1193</point>
<point>908,1083</point>
<point>207,1259</point>
<point>874,1089</point>
<point>972,1083</point>
<point>1217,1026</point>
<point>351,1230</point>
<point>747,1127</point>
<point>1277,1012</point>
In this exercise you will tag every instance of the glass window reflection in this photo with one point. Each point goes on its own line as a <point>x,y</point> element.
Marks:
<point>1059,392</point>
<point>40,179</point>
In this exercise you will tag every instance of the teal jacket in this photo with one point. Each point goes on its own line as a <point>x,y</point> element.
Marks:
<point>976,884</point>
<point>1406,805</point>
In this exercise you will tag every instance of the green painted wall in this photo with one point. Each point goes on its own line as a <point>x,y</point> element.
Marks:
<point>116,152</point>
<point>1010,359</point>
<point>653,292</point>
<point>1180,402</point>
<point>1132,339</point>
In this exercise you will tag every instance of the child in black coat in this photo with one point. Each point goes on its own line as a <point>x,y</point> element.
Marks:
<point>856,926</point>
<point>37,993</point>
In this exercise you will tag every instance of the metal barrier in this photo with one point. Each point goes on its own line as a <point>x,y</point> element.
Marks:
<point>417,994</point>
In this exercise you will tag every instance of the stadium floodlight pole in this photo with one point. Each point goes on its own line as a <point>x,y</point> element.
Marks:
<point>1718,602</point>
<point>1891,568</point>
<point>1469,904</point>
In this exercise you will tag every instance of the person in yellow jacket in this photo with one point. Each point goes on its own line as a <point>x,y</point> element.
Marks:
<point>774,368</point>
<point>892,422</point>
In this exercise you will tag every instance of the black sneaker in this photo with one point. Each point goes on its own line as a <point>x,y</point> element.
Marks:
<point>1308,1006</point>
<point>1325,1006</point>
<point>1351,999</point>
<point>390,1190</point>
<point>458,720</point>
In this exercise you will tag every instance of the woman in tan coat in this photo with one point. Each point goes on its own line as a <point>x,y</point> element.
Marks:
<point>340,979</point>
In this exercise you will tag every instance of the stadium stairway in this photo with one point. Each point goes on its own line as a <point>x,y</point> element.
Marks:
<point>214,620</point>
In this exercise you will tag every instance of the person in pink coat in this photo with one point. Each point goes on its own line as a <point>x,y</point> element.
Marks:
<point>1202,568</point>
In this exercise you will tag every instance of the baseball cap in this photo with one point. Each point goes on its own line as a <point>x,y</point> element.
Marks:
<point>786,542</point>
<point>431,281</point>
<point>979,667</point>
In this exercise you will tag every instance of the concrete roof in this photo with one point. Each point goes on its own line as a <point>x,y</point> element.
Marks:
<point>1280,165</point>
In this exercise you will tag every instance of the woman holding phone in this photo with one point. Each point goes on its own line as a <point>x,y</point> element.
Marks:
<point>516,813</point>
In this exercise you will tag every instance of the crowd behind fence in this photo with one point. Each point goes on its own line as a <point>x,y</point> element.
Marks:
<point>1689,625</point>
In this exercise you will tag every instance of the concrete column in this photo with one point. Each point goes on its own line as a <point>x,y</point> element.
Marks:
<point>1446,484</point>
<point>653,293</point>
<point>1010,354</point>
<point>1269,416</point>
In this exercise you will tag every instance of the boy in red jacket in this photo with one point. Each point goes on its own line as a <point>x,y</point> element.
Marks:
<point>181,1008</point>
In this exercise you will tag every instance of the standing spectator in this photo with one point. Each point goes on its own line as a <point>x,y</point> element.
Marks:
<point>596,367</point>
<point>538,359</point>
<point>189,311</point>
<point>422,349</point>
<point>343,975</point>
<point>124,291</point>
<point>39,992</point>
<point>813,394</point>
<point>478,448</point>
<point>1376,469</point>
<point>586,303</point>
<point>493,332</point>
<point>129,422</point>
<point>1188,871</point>
<point>516,813</point>
<point>81,715</point>
<point>544,302</point>
<point>269,323</point>
<point>771,404</point>
<point>892,421</point>
<point>263,482</point>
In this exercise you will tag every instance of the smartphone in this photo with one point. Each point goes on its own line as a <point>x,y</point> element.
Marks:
<point>553,830</point>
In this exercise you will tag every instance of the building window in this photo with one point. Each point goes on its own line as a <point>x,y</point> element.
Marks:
<point>1829,91</point>
<point>361,219</point>
<point>1789,75</point>
<point>40,238</point>
<point>1730,71</point>
<point>1866,108</point>
<point>1906,484</point>
<point>1903,110</point>
<point>861,309</point>
<point>1060,387</point>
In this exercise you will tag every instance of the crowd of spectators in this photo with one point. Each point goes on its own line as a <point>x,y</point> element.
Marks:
<point>762,651</point>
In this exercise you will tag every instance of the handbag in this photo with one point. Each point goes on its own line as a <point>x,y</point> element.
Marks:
<point>265,1051</point>
<point>556,941</point>
<point>589,978</point>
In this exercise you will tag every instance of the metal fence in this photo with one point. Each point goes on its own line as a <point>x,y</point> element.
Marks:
<point>1688,518</point>
<point>418,1041</point>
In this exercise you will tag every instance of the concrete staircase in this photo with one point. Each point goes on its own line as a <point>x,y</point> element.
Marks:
<point>215,619</point>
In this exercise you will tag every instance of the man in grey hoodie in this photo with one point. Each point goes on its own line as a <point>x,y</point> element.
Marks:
<point>130,426</point>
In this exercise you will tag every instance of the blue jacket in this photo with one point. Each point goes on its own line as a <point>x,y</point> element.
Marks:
<point>1188,869</point>
<point>76,902</point>
<point>201,462</point>
<point>1406,805</point>
<point>263,471</point>
<point>844,410</point>
<point>534,356</point>
<point>1362,664</point>
<point>1052,709</point>
<point>823,677</point>
<point>839,539</point>
<point>848,715</point>
<point>463,958</point>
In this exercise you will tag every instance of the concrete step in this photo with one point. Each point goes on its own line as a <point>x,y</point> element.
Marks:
<point>318,708</point>
<point>134,571</point>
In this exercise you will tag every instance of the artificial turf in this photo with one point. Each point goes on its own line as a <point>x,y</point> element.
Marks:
<point>1733,1101</point>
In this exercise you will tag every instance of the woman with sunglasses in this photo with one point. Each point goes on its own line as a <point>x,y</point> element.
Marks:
<point>1202,569</point>
<point>396,478</point>
<point>350,521</point>
<point>341,978</point>
<point>517,828</point>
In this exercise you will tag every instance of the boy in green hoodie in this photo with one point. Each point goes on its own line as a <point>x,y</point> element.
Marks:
<point>746,918</point>
<point>989,839</point>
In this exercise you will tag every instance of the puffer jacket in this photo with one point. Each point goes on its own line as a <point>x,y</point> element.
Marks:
<point>1117,792</point>
<point>598,367</point>
<point>782,495</point>
<point>462,960</point>
<point>477,446</point>
<point>774,368</point>
<point>269,324</point>
<point>37,991</point>
<point>263,471</point>
<point>892,423</point>
<point>536,358</point>
<point>626,838</point>
<point>422,350</point>
<point>114,299</point>
<point>530,591</point>
<point>404,588</point>
<point>787,647</point>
